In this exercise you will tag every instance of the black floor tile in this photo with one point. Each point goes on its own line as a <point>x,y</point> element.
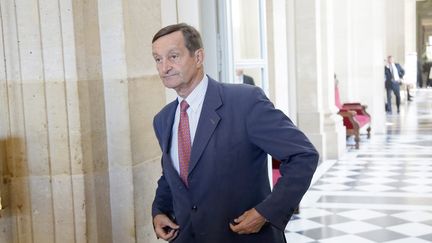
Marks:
<point>381,235</point>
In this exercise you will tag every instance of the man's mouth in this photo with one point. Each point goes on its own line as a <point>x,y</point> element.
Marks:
<point>170,75</point>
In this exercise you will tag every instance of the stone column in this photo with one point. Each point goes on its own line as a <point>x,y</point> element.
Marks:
<point>308,72</point>
<point>369,40</point>
<point>78,94</point>
<point>410,26</point>
<point>334,130</point>
<point>133,95</point>
<point>42,133</point>
<point>342,28</point>
<point>278,54</point>
<point>395,29</point>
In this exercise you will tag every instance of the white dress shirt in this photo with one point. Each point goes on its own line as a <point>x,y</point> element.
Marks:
<point>395,72</point>
<point>195,101</point>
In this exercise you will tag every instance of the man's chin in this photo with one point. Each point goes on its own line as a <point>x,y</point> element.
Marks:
<point>170,83</point>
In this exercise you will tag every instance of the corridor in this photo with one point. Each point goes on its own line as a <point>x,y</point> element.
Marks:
<point>380,193</point>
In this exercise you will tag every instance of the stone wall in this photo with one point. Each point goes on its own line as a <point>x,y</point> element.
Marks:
<point>78,92</point>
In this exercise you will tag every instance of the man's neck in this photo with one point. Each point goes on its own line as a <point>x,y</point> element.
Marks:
<point>185,92</point>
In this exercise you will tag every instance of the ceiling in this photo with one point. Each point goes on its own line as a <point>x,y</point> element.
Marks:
<point>424,11</point>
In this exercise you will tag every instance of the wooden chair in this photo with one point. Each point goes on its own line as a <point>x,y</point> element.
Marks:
<point>355,117</point>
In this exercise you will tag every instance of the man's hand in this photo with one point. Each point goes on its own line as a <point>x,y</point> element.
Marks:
<point>164,227</point>
<point>249,222</point>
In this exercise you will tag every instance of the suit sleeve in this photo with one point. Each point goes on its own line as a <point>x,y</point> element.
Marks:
<point>273,132</point>
<point>162,203</point>
<point>401,71</point>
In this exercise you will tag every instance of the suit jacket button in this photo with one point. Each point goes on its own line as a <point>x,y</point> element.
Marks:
<point>194,207</point>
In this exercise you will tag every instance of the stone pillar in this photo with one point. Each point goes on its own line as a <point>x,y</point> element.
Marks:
<point>334,130</point>
<point>117,114</point>
<point>44,166</point>
<point>133,95</point>
<point>410,26</point>
<point>369,40</point>
<point>395,29</point>
<point>145,97</point>
<point>78,92</point>
<point>278,54</point>
<point>308,67</point>
<point>342,23</point>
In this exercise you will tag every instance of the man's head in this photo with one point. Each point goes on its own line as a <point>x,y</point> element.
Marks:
<point>239,72</point>
<point>390,59</point>
<point>179,56</point>
<point>191,36</point>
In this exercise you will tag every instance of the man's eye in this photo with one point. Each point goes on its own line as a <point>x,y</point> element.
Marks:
<point>157,60</point>
<point>174,56</point>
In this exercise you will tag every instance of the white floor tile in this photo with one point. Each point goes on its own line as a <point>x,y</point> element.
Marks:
<point>337,179</point>
<point>306,213</point>
<point>419,168</point>
<point>381,173</point>
<point>418,189</point>
<point>302,225</point>
<point>331,187</point>
<point>412,229</point>
<point>408,240</point>
<point>375,188</point>
<point>424,174</point>
<point>384,167</point>
<point>342,173</point>
<point>422,181</point>
<point>297,238</point>
<point>361,214</point>
<point>346,167</point>
<point>346,239</point>
<point>352,162</point>
<point>378,180</point>
<point>386,162</point>
<point>414,216</point>
<point>354,227</point>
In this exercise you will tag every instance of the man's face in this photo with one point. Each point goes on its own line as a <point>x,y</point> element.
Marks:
<point>177,68</point>
<point>390,59</point>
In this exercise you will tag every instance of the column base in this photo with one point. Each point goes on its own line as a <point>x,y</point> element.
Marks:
<point>335,136</point>
<point>311,123</point>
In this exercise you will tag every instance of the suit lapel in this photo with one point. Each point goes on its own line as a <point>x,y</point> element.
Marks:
<point>209,119</point>
<point>168,126</point>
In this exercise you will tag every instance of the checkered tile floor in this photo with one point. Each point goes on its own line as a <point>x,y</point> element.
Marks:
<point>380,193</point>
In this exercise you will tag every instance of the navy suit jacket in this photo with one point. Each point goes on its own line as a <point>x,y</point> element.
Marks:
<point>228,172</point>
<point>248,80</point>
<point>389,77</point>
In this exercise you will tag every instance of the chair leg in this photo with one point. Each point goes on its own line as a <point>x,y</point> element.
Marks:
<point>357,140</point>
<point>368,132</point>
<point>297,210</point>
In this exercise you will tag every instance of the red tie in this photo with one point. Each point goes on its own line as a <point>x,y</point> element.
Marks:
<point>184,142</point>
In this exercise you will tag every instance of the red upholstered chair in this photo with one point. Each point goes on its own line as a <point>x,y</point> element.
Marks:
<point>275,170</point>
<point>354,116</point>
<point>276,175</point>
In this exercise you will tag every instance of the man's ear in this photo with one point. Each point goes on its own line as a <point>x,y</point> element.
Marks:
<point>199,56</point>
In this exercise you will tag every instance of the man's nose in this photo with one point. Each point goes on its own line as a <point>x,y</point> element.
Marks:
<point>166,66</point>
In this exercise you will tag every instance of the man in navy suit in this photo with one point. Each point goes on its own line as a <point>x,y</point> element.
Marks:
<point>221,193</point>
<point>393,73</point>
<point>244,79</point>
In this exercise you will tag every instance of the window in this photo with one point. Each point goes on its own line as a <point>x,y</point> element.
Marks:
<point>243,40</point>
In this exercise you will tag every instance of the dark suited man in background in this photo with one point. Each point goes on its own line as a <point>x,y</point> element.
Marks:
<point>245,79</point>
<point>215,138</point>
<point>393,79</point>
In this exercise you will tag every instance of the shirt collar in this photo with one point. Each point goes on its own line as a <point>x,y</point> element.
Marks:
<point>196,97</point>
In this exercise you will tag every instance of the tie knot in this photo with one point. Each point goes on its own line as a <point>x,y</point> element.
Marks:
<point>184,106</point>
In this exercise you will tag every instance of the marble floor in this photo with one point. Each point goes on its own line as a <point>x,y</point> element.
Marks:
<point>380,193</point>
